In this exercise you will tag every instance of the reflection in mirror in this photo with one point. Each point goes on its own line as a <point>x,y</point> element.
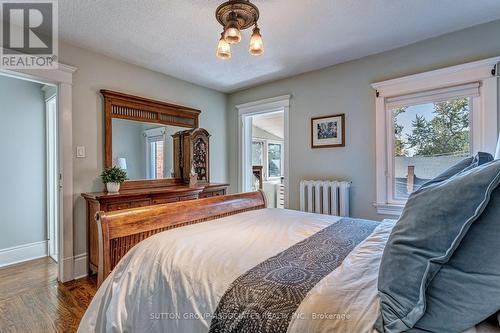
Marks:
<point>144,150</point>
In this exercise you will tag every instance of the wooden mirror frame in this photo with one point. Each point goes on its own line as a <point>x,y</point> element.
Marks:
<point>123,106</point>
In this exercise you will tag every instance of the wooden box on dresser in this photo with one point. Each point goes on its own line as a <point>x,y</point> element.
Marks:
<point>138,197</point>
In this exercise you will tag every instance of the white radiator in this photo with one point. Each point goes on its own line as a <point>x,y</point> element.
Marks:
<point>325,197</point>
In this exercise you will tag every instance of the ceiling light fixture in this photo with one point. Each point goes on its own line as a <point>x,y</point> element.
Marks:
<point>234,16</point>
<point>223,49</point>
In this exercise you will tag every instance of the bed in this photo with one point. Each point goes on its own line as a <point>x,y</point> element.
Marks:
<point>180,267</point>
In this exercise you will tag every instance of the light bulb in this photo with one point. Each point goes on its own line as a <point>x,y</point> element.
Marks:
<point>256,46</point>
<point>223,49</point>
<point>232,33</point>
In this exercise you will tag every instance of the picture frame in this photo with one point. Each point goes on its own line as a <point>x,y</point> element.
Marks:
<point>328,131</point>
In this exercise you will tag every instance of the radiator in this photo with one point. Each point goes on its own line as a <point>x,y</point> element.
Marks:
<point>325,197</point>
<point>280,196</point>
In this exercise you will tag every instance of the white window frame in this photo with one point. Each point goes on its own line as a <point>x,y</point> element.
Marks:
<point>484,117</point>
<point>281,143</point>
<point>265,157</point>
<point>152,135</point>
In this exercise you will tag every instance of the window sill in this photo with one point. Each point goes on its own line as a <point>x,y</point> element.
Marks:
<point>389,209</point>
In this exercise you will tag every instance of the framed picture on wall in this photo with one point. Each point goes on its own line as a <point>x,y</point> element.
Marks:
<point>328,131</point>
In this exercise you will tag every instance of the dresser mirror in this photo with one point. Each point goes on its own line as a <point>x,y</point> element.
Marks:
<point>139,137</point>
<point>144,150</point>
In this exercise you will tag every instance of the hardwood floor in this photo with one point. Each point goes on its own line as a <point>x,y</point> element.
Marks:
<point>31,299</point>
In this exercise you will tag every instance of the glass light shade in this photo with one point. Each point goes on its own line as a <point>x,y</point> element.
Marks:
<point>256,43</point>
<point>223,49</point>
<point>232,35</point>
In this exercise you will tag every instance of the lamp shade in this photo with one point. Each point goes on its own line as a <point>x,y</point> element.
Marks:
<point>232,33</point>
<point>256,44</point>
<point>122,163</point>
<point>497,153</point>
<point>223,49</point>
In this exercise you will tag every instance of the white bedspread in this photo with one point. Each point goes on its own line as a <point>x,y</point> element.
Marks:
<point>173,281</point>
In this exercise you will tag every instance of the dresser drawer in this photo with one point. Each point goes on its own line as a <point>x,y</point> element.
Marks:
<point>118,206</point>
<point>208,194</point>
<point>188,197</point>
<point>217,193</point>
<point>140,203</point>
<point>160,201</point>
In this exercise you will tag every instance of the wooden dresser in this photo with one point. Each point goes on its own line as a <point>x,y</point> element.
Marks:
<point>133,198</point>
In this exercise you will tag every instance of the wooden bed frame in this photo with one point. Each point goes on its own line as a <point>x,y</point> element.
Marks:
<point>119,231</point>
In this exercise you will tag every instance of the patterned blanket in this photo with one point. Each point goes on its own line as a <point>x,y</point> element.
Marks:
<point>265,298</point>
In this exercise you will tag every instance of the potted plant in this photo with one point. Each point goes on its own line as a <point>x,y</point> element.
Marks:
<point>113,177</point>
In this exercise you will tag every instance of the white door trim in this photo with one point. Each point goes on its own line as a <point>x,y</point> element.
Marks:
<point>63,78</point>
<point>52,169</point>
<point>245,112</point>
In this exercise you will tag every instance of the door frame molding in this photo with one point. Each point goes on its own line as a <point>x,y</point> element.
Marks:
<point>52,171</point>
<point>245,112</point>
<point>62,77</point>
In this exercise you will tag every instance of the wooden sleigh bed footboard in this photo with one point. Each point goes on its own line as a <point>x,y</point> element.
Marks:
<point>119,231</point>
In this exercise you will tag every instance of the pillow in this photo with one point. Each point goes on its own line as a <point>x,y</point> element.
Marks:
<point>480,159</point>
<point>466,290</point>
<point>465,164</point>
<point>434,221</point>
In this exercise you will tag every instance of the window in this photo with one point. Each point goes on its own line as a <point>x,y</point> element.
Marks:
<point>155,153</point>
<point>427,122</point>
<point>274,158</point>
<point>268,154</point>
<point>156,161</point>
<point>257,152</point>
<point>428,139</point>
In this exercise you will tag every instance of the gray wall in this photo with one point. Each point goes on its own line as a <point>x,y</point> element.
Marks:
<point>128,142</point>
<point>345,88</point>
<point>95,72</point>
<point>22,161</point>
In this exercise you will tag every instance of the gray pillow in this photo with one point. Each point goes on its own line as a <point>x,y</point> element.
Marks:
<point>434,222</point>
<point>466,290</point>
<point>465,164</point>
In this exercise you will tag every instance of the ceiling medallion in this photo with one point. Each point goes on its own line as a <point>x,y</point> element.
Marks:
<point>234,16</point>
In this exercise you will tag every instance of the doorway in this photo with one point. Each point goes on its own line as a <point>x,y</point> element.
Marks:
<point>30,174</point>
<point>268,157</point>
<point>264,149</point>
<point>62,79</point>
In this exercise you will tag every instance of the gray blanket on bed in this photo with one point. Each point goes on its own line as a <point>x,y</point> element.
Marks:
<point>265,298</point>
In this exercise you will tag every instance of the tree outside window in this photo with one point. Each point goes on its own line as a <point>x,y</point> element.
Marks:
<point>257,153</point>
<point>428,138</point>
<point>274,151</point>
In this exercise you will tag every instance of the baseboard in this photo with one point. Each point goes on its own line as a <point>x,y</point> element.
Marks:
<point>17,254</point>
<point>80,266</point>
<point>66,274</point>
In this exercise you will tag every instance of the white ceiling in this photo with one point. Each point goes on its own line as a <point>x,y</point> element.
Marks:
<point>273,123</point>
<point>179,37</point>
